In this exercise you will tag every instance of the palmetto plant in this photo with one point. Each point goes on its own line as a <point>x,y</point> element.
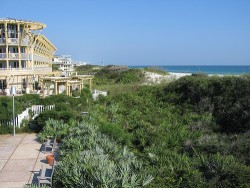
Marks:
<point>54,128</point>
<point>91,159</point>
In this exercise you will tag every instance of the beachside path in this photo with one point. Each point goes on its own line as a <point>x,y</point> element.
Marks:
<point>20,160</point>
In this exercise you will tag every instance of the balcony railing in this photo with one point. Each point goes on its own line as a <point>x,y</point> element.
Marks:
<point>2,55</point>
<point>13,56</point>
<point>42,70</point>
<point>40,58</point>
<point>24,42</point>
<point>25,56</point>
<point>13,41</point>
<point>2,41</point>
<point>17,69</point>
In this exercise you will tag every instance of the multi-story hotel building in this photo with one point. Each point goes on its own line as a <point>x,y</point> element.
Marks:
<point>25,54</point>
<point>63,63</point>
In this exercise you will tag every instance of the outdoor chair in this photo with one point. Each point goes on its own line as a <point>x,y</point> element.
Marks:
<point>45,176</point>
<point>49,144</point>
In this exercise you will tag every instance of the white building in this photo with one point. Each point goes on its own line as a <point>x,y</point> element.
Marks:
<point>79,63</point>
<point>64,64</point>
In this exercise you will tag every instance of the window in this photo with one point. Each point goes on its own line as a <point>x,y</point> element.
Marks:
<point>21,30</point>
<point>13,50</point>
<point>12,31</point>
<point>2,31</point>
<point>22,50</point>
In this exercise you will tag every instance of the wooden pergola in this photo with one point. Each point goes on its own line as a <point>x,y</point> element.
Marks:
<point>68,82</point>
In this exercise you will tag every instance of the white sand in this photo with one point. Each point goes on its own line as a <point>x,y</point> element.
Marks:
<point>179,75</point>
<point>157,78</point>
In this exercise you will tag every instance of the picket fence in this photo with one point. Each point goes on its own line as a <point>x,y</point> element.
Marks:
<point>35,109</point>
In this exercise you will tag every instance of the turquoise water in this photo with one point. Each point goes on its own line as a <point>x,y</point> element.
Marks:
<point>243,69</point>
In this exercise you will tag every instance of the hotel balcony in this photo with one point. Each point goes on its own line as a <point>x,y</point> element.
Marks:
<point>15,56</point>
<point>41,58</point>
<point>2,56</point>
<point>44,70</point>
<point>2,41</point>
<point>16,71</point>
<point>25,71</point>
<point>14,41</point>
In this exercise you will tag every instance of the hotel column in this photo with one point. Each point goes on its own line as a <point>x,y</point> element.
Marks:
<point>27,85</point>
<point>69,89</point>
<point>48,89</point>
<point>66,87</point>
<point>81,87</point>
<point>7,46</point>
<point>55,87</point>
<point>7,82</point>
<point>19,45</point>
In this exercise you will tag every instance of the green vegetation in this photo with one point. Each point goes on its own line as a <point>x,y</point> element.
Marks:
<point>91,159</point>
<point>24,128</point>
<point>66,108</point>
<point>194,132</point>
<point>55,67</point>
<point>156,70</point>
<point>108,76</point>
<point>87,69</point>
<point>227,98</point>
<point>21,103</point>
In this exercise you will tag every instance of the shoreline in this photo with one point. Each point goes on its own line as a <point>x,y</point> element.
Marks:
<point>180,74</point>
<point>210,70</point>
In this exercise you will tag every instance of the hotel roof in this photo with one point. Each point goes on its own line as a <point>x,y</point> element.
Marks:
<point>31,24</point>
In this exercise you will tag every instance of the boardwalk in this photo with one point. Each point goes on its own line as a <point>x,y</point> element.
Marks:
<point>20,160</point>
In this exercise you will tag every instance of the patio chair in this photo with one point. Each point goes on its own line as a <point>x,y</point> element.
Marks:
<point>49,144</point>
<point>45,176</point>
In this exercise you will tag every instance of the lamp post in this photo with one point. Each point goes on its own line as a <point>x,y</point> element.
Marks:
<point>13,92</point>
<point>2,86</point>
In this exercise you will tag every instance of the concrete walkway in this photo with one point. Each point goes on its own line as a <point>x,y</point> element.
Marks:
<point>20,160</point>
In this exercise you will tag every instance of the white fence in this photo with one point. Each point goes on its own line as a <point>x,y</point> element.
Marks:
<point>35,109</point>
<point>96,93</point>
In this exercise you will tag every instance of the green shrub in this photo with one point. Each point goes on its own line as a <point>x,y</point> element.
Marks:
<point>107,76</point>
<point>115,132</point>
<point>86,97</point>
<point>27,100</point>
<point>6,105</point>
<point>91,159</point>
<point>130,76</point>
<point>55,129</point>
<point>157,70</point>
<point>224,171</point>
<point>226,97</point>
<point>4,129</point>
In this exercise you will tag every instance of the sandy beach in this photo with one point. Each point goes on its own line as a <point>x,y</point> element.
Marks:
<point>179,75</point>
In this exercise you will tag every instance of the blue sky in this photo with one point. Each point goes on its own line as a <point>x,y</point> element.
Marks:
<point>143,32</point>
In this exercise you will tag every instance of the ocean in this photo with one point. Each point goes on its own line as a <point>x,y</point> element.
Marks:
<point>222,70</point>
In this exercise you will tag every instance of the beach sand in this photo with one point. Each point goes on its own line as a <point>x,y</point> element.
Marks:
<point>179,75</point>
